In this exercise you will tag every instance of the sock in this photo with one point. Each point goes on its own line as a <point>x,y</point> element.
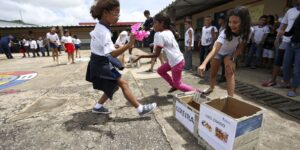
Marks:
<point>97,106</point>
<point>139,109</point>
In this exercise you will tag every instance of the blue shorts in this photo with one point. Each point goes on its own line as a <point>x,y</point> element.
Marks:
<point>220,56</point>
<point>77,46</point>
<point>52,45</point>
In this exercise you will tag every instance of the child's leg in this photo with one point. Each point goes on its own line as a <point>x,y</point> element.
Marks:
<point>215,63</point>
<point>78,50</point>
<point>176,74</point>
<point>152,65</point>
<point>53,53</point>
<point>127,92</point>
<point>69,58</point>
<point>72,57</point>
<point>229,68</point>
<point>162,71</point>
<point>56,54</point>
<point>103,99</point>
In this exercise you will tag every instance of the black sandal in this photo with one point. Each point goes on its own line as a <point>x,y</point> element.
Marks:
<point>172,90</point>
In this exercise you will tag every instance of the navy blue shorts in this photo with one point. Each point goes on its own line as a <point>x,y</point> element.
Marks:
<point>77,46</point>
<point>52,45</point>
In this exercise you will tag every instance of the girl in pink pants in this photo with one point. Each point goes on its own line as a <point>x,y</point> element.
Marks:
<point>164,39</point>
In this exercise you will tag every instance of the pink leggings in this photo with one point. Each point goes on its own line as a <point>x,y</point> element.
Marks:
<point>175,81</point>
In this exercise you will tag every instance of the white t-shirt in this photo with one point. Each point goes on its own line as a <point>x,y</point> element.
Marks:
<point>289,19</point>
<point>40,43</point>
<point>228,47</point>
<point>206,38</point>
<point>52,37</point>
<point>122,39</point>
<point>167,41</point>
<point>33,44</point>
<point>25,42</point>
<point>67,39</point>
<point>77,41</point>
<point>187,37</point>
<point>101,43</point>
<point>259,33</point>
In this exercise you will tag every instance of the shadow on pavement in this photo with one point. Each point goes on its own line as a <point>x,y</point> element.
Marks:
<point>191,141</point>
<point>88,121</point>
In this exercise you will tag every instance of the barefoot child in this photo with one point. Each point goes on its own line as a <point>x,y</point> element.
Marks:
<point>228,46</point>
<point>166,41</point>
<point>100,70</point>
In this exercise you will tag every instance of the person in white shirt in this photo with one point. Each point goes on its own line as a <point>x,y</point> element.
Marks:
<point>34,47</point>
<point>67,42</point>
<point>209,35</point>
<point>288,22</point>
<point>52,40</point>
<point>101,69</point>
<point>26,46</point>
<point>188,44</point>
<point>41,46</point>
<point>228,46</point>
<point>121,41</point>
<point>77,43</point>
<point>259,36</point>
<point>166,41</point>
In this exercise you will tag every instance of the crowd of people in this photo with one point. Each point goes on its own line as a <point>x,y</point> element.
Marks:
<point>31,46</point>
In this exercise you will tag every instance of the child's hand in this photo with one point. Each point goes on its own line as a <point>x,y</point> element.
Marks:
<point>201,70</point>
<point>132,39</point>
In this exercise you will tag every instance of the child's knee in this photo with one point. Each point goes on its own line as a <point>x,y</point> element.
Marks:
<point>229,70</point>
<point>123,83</point>
<point>160,71</point>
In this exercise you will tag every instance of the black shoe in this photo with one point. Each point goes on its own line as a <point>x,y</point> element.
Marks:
<point>172,90</point>
<point>101,110</point>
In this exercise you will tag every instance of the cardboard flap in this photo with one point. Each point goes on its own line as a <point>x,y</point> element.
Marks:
<point>234,108</point>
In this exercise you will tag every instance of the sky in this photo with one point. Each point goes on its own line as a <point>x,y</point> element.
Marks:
<point>71,12</point>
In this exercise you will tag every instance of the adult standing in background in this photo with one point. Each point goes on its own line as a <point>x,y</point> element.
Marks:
<point>148,26</point>
<point>4,42</point>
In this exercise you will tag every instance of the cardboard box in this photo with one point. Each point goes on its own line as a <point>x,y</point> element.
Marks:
<point>186,111</point>
<point>228,123</point>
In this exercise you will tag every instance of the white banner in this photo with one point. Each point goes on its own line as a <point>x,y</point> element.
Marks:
<point>185,116</point>
<point>216,129</point>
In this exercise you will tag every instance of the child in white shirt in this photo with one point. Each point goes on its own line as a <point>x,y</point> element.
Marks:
<point>259,36</point>
<point>34,47</point>
<point>67,42</point>
<point>228,46</point>
<point>101,71</point>
<point>166,41</point>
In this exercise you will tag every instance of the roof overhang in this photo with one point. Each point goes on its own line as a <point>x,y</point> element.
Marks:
<point>184,8</point>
